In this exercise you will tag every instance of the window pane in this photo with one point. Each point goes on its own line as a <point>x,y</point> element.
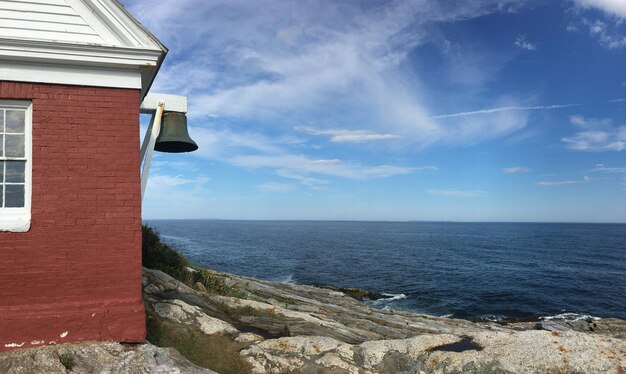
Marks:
<point>14,196</point>
<point>1,171</point>
<point>15,171</point>
<point>15,121</point>
<point>1,121</point>
<point>14,145</point>
<point>1,145</point>
<point>1,195</point>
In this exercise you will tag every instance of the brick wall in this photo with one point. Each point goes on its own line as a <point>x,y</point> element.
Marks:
<point>76,275</point>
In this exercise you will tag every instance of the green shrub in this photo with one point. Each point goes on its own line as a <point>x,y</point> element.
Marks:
<point>157,255</point>
<point>67,361</point>
<point>247,310</point>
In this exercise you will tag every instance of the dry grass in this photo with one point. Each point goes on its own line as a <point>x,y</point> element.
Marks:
<point>216,352</point>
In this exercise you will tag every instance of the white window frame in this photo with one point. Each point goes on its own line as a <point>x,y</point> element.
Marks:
<point>18,219</point>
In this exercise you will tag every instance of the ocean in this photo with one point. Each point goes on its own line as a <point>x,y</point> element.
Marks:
<point>479,271</point>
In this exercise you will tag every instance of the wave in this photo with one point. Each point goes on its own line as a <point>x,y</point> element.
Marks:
<point>562,317</point>
<point>178,239</point>
<point>285,279</point>
<point>492,317</point>
<point>570,317</point>
<point>389,297</point>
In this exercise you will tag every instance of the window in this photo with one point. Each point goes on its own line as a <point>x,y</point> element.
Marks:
<point>15,165</point>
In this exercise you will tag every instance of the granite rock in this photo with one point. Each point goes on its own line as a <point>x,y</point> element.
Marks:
<point>97,357</point>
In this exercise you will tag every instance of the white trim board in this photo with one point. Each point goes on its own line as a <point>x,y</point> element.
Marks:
<point>39,73</point>
<point>171,103</point>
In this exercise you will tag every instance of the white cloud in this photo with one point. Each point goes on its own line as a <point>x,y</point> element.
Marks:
<point>456,193</point>
<point>302,165</point>
<point>557,183</point>
<point>247,61</point>
<point>339,136</point>
<point>597,135</point>
<point>591,123</point>
<point>562,183</point>
<point>516,169</point>
<point>426,168</point>
<point>303,179</point>
<point>521,42</point>
<point>617,100</point>
<point>608,169</point>
<point>253,150</point>
<point>613,7</point>
<point>385,171</point>
<point>275,187</point>
<point>607,31</point>
<point>572,28</point>
<point>175,181</point>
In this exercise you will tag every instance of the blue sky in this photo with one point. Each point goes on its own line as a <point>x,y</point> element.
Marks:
<point>394,110</point>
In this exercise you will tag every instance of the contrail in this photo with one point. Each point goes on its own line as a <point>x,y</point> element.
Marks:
<point>504,109</point>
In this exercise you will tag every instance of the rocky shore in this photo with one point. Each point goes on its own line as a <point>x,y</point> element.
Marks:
<point>255,326</point>
<point>202,321</point>
<point>285,328</point>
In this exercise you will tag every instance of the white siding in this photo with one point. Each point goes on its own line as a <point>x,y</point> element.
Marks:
<point>52,20</point>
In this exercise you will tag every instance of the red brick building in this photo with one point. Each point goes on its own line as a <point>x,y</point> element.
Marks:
<point>72,76</point>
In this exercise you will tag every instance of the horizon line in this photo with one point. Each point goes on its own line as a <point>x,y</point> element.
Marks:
<point>382,221</point>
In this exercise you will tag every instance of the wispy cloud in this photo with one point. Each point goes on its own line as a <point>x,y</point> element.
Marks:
<point>598,134</point>
<point>456,193</point>
<point>557,183</point>
<point>504,109</point>
<point>516,170</point>
<point>617,100</point>
<point>339,136</point>
<point>246,61</point>
<point>613,7</point>
<point>562,183</point>
<point>606,29</point>
<point>254,150</point>
<point>610,169</point>
<point>303,179</point>
<point>275,187</point>
<point>521,42</point>
<point>606,34</point>
<point>176,180</point>
<point>302,165</point>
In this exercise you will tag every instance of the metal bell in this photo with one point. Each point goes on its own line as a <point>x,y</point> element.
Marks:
<point>174,137</point>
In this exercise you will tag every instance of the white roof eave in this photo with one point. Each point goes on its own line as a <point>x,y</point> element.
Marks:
<point>128,50</point>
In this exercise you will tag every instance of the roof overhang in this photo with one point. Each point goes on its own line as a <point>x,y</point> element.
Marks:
<point>129,56</point>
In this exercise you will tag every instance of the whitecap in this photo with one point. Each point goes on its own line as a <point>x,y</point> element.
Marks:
<point>286,279</point>
<point>391,297</point>
<point>492,317</point>
<point>570,317</point>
